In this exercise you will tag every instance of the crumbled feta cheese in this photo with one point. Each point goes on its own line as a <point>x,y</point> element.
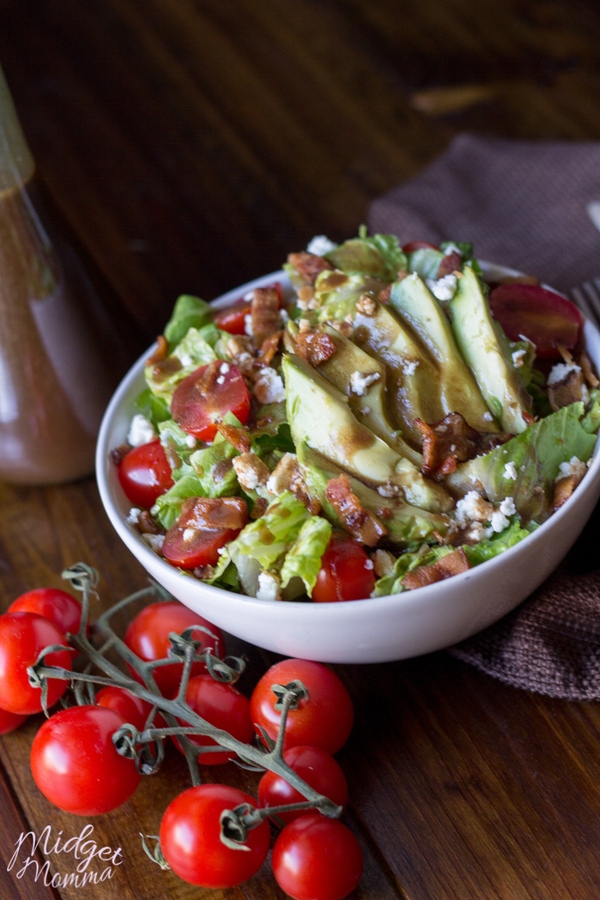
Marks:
<point>388,489</point>
<point>268,587</point>
<point>359,382</point>
<point>141,431</point>
<point>443,288</point>
<point>320,245</point>
<point>473,508</point>
<point>224,368</point>
<point>369,564</point>
<point>488,417</point>
<point>283,474</point>
<point>518,357</point>
<point>190,441</point>
<point>220,379</point>
<point>573,467</point>
<point>365,410</point>
<point>133,516</point>
<point>560,371</point>
<point>154,541</point>
<point>248,324</point>
<point>409,366</point>
<point>251,471</point>
<point>268,387</point>
<point>498,521</point>
<point>188,535</point>
<point>507,507</point>
<point>510,471</point>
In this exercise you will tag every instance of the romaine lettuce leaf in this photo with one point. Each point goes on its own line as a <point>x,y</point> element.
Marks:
<point>378,255</point>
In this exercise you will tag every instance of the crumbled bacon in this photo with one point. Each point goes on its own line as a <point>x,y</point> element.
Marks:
<point>450,263</point>
<point>450,441</point>
<point>146,524</point>
<point>568,390</point>
<point>287,476</point>
<point>357,520</point>
<point>237,435</point>
<point>162,348</point>
<point>264,314</point>
<point>213,513</point>
<point>269,347</point>
<point>563,488</point>
<point>308,265</point>
<point>452,563</point>
<point>366,305</point>
<point>314,346</point>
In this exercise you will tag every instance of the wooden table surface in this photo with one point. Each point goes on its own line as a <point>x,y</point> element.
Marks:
<point>192,144</point>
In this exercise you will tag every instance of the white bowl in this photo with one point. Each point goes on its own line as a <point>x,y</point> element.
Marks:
<point>361,631</point>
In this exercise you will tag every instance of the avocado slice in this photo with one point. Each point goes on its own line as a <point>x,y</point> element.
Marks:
<point>405,524</point>
<point>459,390</point>
<point>319,415</point>
<point>486,350</point>
<point>411,370</point>
<point>346,369</point>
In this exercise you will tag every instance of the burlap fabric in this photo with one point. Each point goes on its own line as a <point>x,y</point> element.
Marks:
<point>522,204</point>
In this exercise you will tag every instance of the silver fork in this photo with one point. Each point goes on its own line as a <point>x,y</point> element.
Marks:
<point>587,298</point>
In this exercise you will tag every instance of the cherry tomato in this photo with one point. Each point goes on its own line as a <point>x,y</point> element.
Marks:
<point>148,636</point>
<point>543,316</point>
<point>316,858</point>
<point>233,319</point>
<point>23,636</point>
<point>145,474</point>
<point>190,838</point>
<point>323,719</point>
<point>75,764</point>
<point>190,548</point>
<point>346,572</point>
<point>132,709</point>
<point>10,721</point>
<point>202,399</point>
<point>52,603</point>
<point>411,246</point>
<point>317,768</point>
<point>223,706</point>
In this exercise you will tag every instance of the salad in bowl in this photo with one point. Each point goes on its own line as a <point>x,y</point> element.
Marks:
<point>376,419</point>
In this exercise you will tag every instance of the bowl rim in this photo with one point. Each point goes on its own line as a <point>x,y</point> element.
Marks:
<point>131,385</point>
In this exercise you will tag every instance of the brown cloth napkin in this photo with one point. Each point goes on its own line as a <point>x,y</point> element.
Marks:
<point>522,204</point>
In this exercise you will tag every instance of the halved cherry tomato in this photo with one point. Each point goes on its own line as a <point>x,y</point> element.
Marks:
<point>145,474</point>
<point>233,319</point>
<point>346,572</point>
<point>202,399</point>
<point>411,246</point>
<point>190,548</point>
<point>544,317</point>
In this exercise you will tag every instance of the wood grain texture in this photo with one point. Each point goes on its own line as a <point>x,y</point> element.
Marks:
<point>192,144</point>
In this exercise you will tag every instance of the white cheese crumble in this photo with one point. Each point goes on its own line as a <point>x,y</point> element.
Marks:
<point>561,371</point>
<point>409,366</point>
<point>510,471</point>
<point>268,387</point>
<point>248,324</point>
<point>443,288</point>
<point>141,431</point>
<point>320,245</point>
<point>518,358</point>
<point>133,516</point>
<point>154,541</point>
<point>359,382</point>
<point>268,587</point>
<point>573,467</point>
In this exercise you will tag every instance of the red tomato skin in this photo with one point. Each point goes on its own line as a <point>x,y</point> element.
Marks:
<point>148,636</point>
<point>317,768</point>
<point>324,720</point>
<point>75,764</point>
<point>190,838</point>
<point>10,721</point>
<point>23,636</point>
<point>411,246</point>
<point>316,858</point>
<point>346,572</point>
<point>144,474</point>
<point>132,709</point>
<point>545,317</point>
<point>52,603</point>
<point>224,707</point>
<point>202,399</point>
<point>201,550</point>
<point>233,319</point>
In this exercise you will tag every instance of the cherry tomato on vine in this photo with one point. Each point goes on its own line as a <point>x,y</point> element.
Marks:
<point>548,319</point>
<point>132,709</point>
<point>52,603</point>
<point>23,636</point>
<point>346,572</point>
<point>190,838</point>
<point>317,858</point>
<point>144,474</point>
<point>10,721</point>
<point>75,764</point>
<point>323,719</point>
<point>148,636</point>
<point>202,399</point>
<point>317,768</point>
<point>223,706</point>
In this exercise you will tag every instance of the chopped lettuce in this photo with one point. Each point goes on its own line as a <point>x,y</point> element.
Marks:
<point>188,312</point>
<point>378,255</point>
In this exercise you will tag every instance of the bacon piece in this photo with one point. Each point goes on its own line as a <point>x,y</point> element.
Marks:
<point>453,563</point>
<point>566,391</point>
<point>452,440</point>
<point>237,435</point>
<point>269,347</point>
<point>308,265</point>
<point>450,263</point>
<point>162,347</point>
<point>314,346</point>
<point>588,372</point>
<point>213,513</point>
<point>264,313</point>
<point>357,520</point>
<point>146,524</point>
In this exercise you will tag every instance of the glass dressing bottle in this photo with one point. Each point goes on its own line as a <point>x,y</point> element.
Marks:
<point>60,358</point>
